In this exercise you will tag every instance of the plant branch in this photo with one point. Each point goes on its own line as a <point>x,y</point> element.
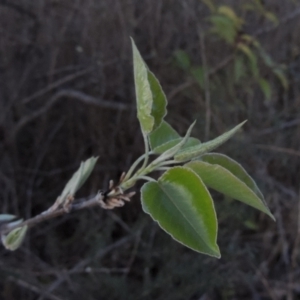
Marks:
<point>53,214</point>
<point>206,83</point>
<point>145,137</point>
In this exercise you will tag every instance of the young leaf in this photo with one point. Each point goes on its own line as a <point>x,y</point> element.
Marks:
<point>267,59</point>
<point>14,239</point>
<point>159,100</point>
<point>239,68</point>
<point>78,179</point>
<point>182,59</point>
<point>235,168</point>
<point>172,151</point>
<point>196,151</point>
<point>14,223</point>
<point>229,13</point>
<point>281,77</point>
<point>163,134</point>
<point>199,75</point>
<point>88,167</point>
<point>271,17</point>
<point>6,218</point>
<point>224,27</point>
<point>251,57</point>
<point>223,181</point>
<point>143,92</point>
<point>182,206</point>
<point>210,4</point>
<point>168,145</point>
<point>265,87</point>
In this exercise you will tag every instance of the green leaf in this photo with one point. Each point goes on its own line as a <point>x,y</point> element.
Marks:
<point>14,239</point>
<point>223,181</point>
<point>196,151</point>
<point>199,75</point>
<point>163,134</point>
<point>210,4</point>
<point>87,168</point>
<point>251,57</point>
<point>224,27</point>
<point>183,207</point>
<point>266,58</point>
<point>271,17</point>
<point>250,40</point>
<point>6,217</point>
<point>235,168</point>
<point>182,59</point>
<point>239,69</point>
<point>166,146</point>
<point>165,137</point>
<point>14,223</point>
<point>78,178</point>
<point>229,13</point>
<point>265,87</point>
<point>143,91</point>
<point>282,77</point>
<point>173,150</point>
<point>159,104</point>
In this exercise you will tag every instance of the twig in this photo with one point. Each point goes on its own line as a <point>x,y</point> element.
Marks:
<point>82,264</point>
<point>56,84</point>
<point>180,88</point>
<point>279,149</point>
<point>206,84</point>
<point>284,20</point>
<point>33,288</point>
<point>294,255</point>
<point>266,284</point>
<point>280,127</point>
<point>227,60</point>
<point>53,214</point>
<point>70,94</point>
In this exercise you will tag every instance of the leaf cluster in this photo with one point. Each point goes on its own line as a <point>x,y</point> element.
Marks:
<point>248,55</point>
<point>179,200</point>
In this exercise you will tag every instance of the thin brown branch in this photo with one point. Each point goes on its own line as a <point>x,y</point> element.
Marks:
<point>294,14</point>
<point>206,83</point>
<point>53,214</point>
<point>83,263</point>
<point>294,255</point>
<point>33,288</point>
<point>282,126</point>
<point>56,84</point>
<point>279,149</point>
<point>227,60</point>
<point>80,96</point>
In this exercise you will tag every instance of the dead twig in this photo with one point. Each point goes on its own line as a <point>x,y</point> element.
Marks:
<point>206,83</point>
<point>284,20</point>
<point>73,94</point>
<point>56,84</point>
<point>82,264</point>
<point>279,149</point>
<point>294,256</point>
<point>281,127</point>
<point>33,288</point>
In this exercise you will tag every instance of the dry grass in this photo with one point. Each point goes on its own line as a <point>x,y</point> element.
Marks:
<point>66,93</point>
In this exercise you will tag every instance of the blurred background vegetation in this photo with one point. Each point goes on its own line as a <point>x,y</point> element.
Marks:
<point>67,93</point>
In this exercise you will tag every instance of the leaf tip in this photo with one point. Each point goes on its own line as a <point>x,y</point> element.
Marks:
<point>270,215</point>
<point>215,252</point>
<point>13,240</point>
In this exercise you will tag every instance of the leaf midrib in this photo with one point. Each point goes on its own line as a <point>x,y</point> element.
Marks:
<point>185,217</point>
